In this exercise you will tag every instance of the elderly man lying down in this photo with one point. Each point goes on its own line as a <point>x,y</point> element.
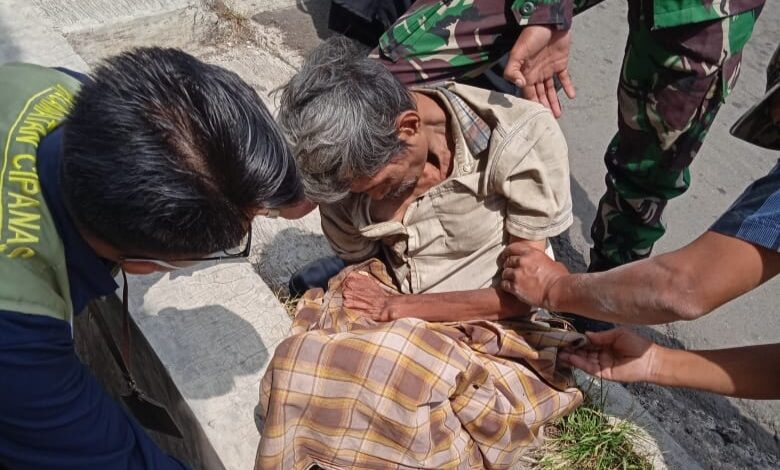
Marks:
<point>420,190</point>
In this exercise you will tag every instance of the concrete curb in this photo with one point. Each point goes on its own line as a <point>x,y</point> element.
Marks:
<point>26,35</point>
<point>201,342</point>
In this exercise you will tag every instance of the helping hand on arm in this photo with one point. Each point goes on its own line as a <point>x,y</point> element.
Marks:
<point>682,285</point>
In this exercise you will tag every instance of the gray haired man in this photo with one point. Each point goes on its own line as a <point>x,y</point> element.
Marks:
<point>435,181</point>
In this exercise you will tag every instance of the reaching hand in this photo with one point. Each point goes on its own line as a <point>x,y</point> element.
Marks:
<point>367,297</point>
<point>620,355</point>
<point>540,54</point>
<point>529,274</point>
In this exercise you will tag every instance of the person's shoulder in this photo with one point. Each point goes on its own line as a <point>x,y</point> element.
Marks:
<point>501,111</point>
<point>345,207</point>
<point>755,216</point>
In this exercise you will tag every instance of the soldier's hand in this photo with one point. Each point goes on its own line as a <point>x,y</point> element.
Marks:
<point>540,54</point>
<point>529,273</point>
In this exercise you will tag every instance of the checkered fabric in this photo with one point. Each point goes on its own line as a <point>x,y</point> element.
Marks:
<point>346,392</point>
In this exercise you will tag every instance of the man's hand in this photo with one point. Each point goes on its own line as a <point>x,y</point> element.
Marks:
<point>367,297</point>
<point>540,54</point>
<point>620,355</point>
<point>529,274</point>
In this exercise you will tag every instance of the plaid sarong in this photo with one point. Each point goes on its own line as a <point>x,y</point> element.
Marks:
<point>345,392</point>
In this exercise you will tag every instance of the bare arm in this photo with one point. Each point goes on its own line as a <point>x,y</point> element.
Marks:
<point>486,304</point>
<point>747,372</point>
<point>622,355</point>
<point>362,294</point>
<point>681,285</point>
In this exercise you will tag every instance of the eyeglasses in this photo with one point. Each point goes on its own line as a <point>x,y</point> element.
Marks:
<point>240,251</point>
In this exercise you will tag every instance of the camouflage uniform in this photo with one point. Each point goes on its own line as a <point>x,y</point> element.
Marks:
<point>682,59</point>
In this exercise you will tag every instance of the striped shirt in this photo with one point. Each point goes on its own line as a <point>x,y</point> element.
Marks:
<point>755,215</point>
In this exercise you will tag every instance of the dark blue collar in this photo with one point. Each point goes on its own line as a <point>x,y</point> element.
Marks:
<point>89,275</point>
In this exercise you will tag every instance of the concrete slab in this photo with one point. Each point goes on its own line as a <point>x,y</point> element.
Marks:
<point>281,247</point>
<point>201,343</point>
<point>184,28</point>
<point>84,14</point>
<point>214,330</point>
<point>27,36</point>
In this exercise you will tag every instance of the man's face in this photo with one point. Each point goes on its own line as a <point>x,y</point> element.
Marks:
<point>396,178</point>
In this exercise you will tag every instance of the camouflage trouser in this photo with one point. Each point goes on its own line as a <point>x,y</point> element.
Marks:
<point>672,84</point>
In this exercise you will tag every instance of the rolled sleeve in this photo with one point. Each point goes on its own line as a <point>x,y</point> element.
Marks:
<point>755,215</point>
<point>555,13</point>
<point>339,228</point>
<point>532,172</point>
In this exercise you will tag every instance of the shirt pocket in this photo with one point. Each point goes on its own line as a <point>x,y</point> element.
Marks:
<point>414,34</point>
<point>469,221</point>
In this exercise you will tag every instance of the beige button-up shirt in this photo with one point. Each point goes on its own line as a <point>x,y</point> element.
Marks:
<point>510,177</point>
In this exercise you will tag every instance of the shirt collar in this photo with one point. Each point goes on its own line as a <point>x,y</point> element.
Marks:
<point>476,131</point>
<point>89,275</point>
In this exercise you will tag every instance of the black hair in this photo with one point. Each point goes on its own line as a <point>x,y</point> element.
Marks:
<point>165,154</point>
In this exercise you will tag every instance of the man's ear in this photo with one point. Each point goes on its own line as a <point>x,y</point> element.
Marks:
<point>408,124</point>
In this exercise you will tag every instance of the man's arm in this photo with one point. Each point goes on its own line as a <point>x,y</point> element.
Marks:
<point>54,414</point>
<point>681,285</point>
<point>482,304</point>
<point>623,356</point>
<point>364,294</point>
<point>339,227</point>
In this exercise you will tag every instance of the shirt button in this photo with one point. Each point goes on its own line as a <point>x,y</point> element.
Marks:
<point>527,8</point>
<point>466,168</point>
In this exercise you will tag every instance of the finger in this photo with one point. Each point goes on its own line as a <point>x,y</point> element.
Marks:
<point>508,286</point>
<point>380,317</point>
<point>356,304</point>
<point>508,274</point>
<point>603,338</point>
<point>529,93</point>
<point>580,362</point>
<point>513,73</point>
<point>541,95</point>
<point>568,86</point>
<point>564,358</point>
<point>552,97</point>
<point>516,249</point>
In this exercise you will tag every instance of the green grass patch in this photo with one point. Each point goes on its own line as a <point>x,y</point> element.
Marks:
<point>588,439</point>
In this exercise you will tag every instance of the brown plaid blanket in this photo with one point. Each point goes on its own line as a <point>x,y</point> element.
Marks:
<point>345,392</point>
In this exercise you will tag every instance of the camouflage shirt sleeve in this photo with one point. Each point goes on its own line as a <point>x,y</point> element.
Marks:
<point>555,13</point>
